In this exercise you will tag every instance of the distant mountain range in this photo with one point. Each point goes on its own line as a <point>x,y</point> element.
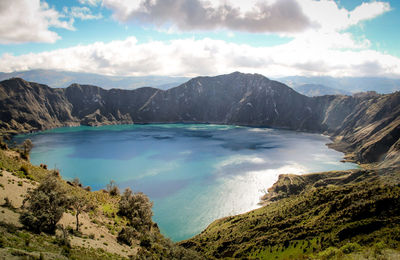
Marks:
<point>310,86</point>
<point>63,79</point>
<point>366,126</point>
<point>315,90</point>
<point>347,84</point>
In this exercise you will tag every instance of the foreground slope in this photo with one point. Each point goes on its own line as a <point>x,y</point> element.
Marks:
<point>353,214</point>
<point>100,223</point>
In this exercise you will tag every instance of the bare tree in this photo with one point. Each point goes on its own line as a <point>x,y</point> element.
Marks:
<point>80,205</point>
<point>112,188</point>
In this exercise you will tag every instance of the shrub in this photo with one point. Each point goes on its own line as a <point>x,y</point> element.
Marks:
<point>350,248</point>
<point>126,236</point>
<point>27,145</point>
<point>137,208</point>
<point>24,169</point>
<point>145,241</point>
<point>46,205</point>
<point>77,182</point>
<point>3,145</point>
<point>112,188</point>
<point>79,204</point>
<point>7,203</point>
<point>56,173</point>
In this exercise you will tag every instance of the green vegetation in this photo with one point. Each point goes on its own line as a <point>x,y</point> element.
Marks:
<point>42,235</point>
<point>136,207</point>
<point>46,205</point>
<point>346,213</point>
<point>112,188</point>
<point>80,205</point>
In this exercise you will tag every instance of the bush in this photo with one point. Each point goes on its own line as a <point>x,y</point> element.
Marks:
<point>126,236</point>
<point>137,208</point>
<point>7,203</point>
<point>145,241</point>
<point>350,248</point>
<point>329,253</point>
<point>76,182</point>
<point>46,205</point>
<point>56,173</point>
<point>24,169</point>
<point>112,188</point>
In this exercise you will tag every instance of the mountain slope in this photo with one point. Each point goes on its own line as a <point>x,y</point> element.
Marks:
<point>322,216</point>
<point>236,98</point>
<point>229,99</point>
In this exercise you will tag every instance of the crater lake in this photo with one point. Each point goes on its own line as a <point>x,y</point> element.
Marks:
<point>194,173</point>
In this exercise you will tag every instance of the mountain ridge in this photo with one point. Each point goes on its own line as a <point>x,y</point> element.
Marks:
<point>354,122</point>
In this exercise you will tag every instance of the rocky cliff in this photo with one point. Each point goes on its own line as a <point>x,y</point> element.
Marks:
<point>365,126</point>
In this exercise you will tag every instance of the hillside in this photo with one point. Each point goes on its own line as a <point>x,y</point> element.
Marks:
<point>100,221</point>
<point>334,215</point>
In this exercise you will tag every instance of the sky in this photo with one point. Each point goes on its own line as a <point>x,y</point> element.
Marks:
<point>189,38</point>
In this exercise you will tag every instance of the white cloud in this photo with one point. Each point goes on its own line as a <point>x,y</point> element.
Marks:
<point>326,15</point>
<point>29,21</point>
<point>323,48</point>
<point>82,13</point>
<point>270,16</point>
<point>189,57</point>
<point>90,2</point>
<point>367,11</point>
<point>187,15</point>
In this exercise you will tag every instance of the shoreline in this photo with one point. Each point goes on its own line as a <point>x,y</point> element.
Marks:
<point>255,203</point>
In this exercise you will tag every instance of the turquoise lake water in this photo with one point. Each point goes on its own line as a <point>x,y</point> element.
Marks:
<point>194,174</point>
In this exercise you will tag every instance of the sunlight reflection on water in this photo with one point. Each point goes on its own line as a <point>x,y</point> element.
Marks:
<point>193,173</point>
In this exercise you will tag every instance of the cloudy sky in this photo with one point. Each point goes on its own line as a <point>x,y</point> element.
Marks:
<point>202,37</point>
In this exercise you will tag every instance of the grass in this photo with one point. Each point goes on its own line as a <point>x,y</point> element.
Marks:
<point>102,210</point>
<point>352,215</point>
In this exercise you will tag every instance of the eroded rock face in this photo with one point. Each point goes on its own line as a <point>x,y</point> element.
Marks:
<point>371,130</point>
<point>366,125</point>
<point>26,106</point>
